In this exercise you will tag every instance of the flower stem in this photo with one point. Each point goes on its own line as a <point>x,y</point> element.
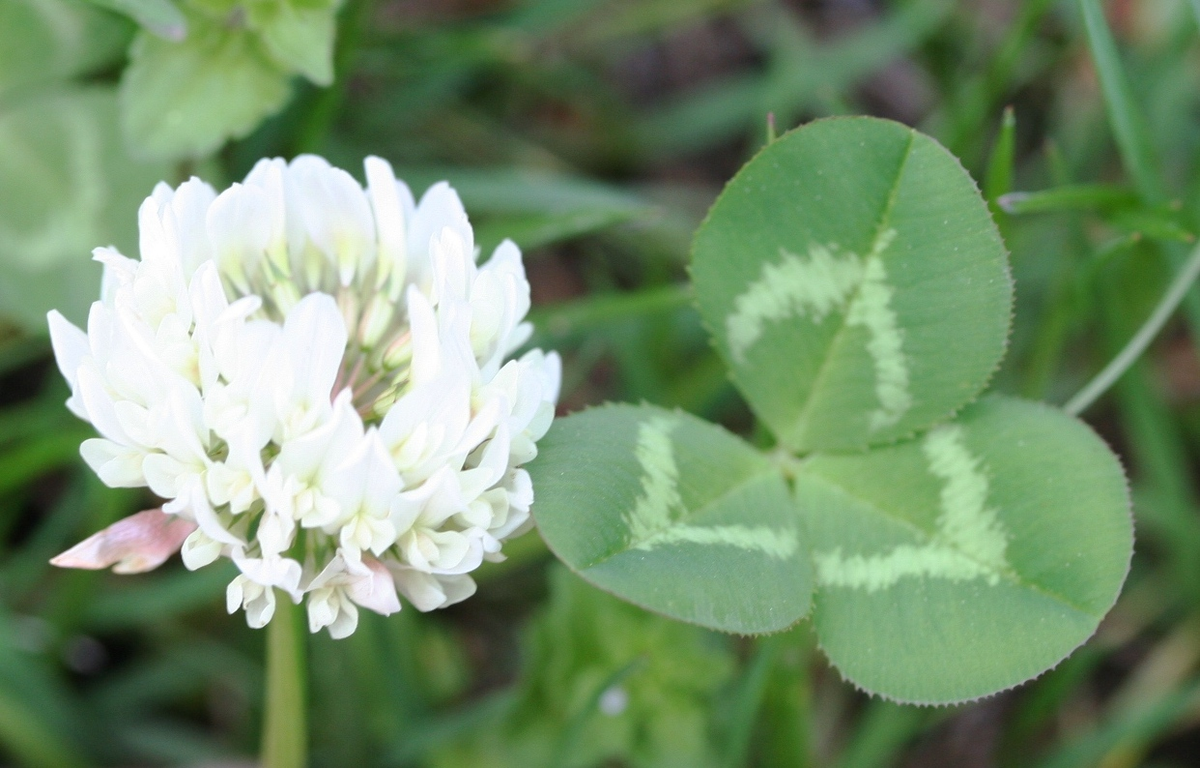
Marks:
<point>285,732</point>
<point>1137,345</point>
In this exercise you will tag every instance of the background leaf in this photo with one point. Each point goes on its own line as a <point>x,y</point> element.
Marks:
<point>854,282</point>
<point>66,186</point>
<point>43,41</point>
<point>185,99</point>
<point>675,515</point>
<point>162,17</point>
<point>971,559</point>
<point>298,35</point>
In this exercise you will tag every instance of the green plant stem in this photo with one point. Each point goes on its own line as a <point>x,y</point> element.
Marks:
<point>285,731</point>
<point>1137,345</point>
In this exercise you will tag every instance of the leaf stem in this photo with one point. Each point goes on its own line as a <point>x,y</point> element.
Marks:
<point>285,732</point>
<point>1137,345</point>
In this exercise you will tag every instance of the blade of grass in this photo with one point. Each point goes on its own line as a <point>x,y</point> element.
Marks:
<point>38,456</point>
<point>32,742</point>
<point>1127,734</point>
<point>748,699</point>
<point>798,73</point>
<point>436,731</point>
<point>999,179</point>
<point>561,321</point>
<point>973,102</point>
<point>787,722</point>
<point>1071,197</point>
<point>1124,115</point>
<point>880,734</point>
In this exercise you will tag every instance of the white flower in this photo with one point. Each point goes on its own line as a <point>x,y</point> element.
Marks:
<point>313,377</point>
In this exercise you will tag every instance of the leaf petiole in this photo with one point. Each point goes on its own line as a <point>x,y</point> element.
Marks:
<point>1137,345</point>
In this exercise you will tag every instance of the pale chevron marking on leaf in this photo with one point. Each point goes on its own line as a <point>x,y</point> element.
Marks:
<point>815,287</point>
<point>872,309</point>
<point>660,480</point>
<point>777,544</point>
<point>811,287</point>
<point>966,522</point>
<point>969,541</point>
<point>653,520</point>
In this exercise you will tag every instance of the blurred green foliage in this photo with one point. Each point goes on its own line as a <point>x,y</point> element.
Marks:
<point>596,133</point>
<point>605,682</point>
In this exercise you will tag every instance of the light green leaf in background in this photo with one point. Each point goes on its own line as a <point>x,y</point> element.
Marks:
<point>855,284</point>
<point>46,40</point>
<point>186,99</point>
<point>298,34</point>
<point>673,514</point>
<point>162,17</point>
<point>66,186</point>
<point>970,559</point>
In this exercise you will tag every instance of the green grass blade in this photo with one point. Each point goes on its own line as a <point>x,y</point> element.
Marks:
<point>1000,166</point>
<point>1127,120</point>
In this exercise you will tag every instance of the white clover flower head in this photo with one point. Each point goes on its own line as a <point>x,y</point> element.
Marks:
<point>315,377</point>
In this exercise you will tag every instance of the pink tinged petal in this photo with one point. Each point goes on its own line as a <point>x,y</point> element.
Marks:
<point>117,466</point>
<point>376,590</point>
<point>138,543</point>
